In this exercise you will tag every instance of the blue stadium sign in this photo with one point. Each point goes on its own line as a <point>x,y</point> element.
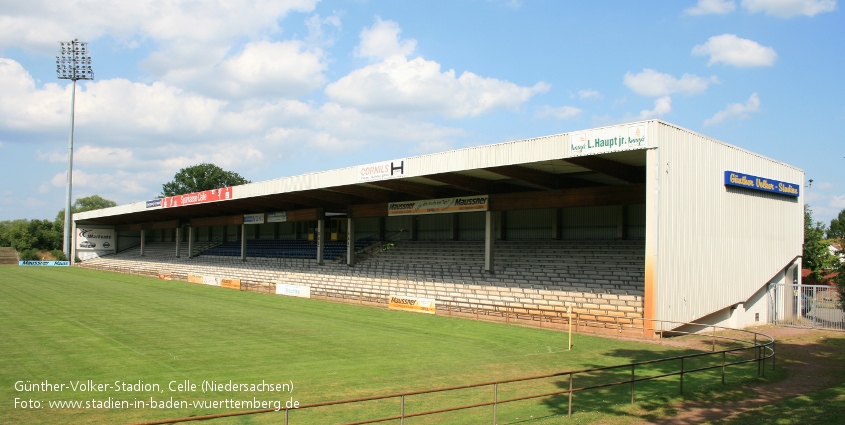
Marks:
<point>732,178</point>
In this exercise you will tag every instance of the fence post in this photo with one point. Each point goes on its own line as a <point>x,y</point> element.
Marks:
<point>570,396</point>
<point>774,354</point>
<point>714,339</point>
<point>632,384</point>
<point>682,375</point>
<point>287,411</point>
<point>495,401</point>
<point>402,412</point>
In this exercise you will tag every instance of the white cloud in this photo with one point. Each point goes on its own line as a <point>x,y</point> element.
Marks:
<point>653,83</point>
<point>710,7</point>
<point>662,106</point>
<point>837,201</point>
<point>272,69</point>
<point>732,50</point>
<point>382,41</point>
<point>418,86</point>
<point>563,112</point>
<point>789,8</point>
<point>37,24</point>
<point>735,111</point>
<point>589,94</point>
<point>323,31</point>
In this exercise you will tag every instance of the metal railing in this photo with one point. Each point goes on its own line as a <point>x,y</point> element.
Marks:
<point>761,348</point>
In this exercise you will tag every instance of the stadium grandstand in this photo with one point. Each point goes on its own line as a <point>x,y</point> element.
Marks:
<point>639,220</point>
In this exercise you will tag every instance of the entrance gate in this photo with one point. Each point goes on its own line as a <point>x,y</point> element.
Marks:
<point>806,306</point>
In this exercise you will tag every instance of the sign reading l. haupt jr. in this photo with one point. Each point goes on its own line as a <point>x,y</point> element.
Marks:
<point>732,178</point>
<point>197,197</point>
<point>610,139</point>
<point>438,206</point>
<point>381,170</point>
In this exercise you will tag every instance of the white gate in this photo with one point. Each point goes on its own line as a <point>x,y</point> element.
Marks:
<point>806,306</point>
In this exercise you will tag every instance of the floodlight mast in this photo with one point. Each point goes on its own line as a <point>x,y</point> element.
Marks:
<point>73,64</point>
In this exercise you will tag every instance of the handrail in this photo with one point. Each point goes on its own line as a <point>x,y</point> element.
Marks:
<point>762,350</point>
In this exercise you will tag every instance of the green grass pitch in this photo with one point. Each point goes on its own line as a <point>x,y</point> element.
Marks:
<point>69,326</point>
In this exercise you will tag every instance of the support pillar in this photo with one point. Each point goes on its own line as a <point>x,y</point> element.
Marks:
<point>72,257</point>
<point>143,240</point>
<point>453,228</point>
<point>489,240</point>
<point>350,242</point>
<point>321,228</point>
<point>622,223</point>
<point>190,242</point>
<point>178,240</point>
<point>243,242</point>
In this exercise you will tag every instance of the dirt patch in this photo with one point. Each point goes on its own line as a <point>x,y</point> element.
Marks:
<point>810,363</point>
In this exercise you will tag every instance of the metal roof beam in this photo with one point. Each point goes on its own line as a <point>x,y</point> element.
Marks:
<point>618,170</point>
<point>534,177</point>
<point>472,184</point>
<point>421,190</point>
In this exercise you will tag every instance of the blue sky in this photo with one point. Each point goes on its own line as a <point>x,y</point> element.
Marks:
<point>284,87</point>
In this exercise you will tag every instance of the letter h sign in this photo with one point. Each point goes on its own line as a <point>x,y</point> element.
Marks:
<point>401,168</point>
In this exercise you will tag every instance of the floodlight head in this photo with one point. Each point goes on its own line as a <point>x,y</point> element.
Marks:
<point>71,65</point>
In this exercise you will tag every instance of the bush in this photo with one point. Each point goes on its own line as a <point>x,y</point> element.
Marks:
<point>58,255</point>
<point>28,255</point>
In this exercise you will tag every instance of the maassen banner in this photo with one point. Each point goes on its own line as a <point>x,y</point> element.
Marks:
<point>439,206</point>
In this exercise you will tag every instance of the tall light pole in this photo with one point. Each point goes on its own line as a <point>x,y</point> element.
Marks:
<point>73,64</point>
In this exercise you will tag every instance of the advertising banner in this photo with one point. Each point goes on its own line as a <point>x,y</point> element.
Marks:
<point>381,170</point>
<point>277,217</point>
<point>732,178</point>
<point>603,140</point>
<point>210,280</point>
<point>439,206</point>
<point>254,218</point>
<point>154,203</point>
<point>419,305</point>
<point>231,283</point>
<point>197,197</point>
<point>300,291</point>
<point>193,278</point>
<point>95,239</point>
<point>43,263</point>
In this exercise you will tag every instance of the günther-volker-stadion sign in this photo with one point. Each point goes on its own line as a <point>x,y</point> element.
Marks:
<point>732,178</point>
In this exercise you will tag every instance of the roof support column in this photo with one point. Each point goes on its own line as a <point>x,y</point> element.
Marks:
<point>652,247</point>
<point>321,228</point>
<point>243,242</point>
<point>489,239</point>
<point>622,223</point>
<point>72,258</point>
<point>178,240</point>
<point>350,242</point>
<point>191,242</point>
<point>143,240</point>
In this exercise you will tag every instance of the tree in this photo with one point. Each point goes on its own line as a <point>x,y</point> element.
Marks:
<point>88,203</point>
<point>837,227</point>
<point>201,177</point>
<point>817,256</point>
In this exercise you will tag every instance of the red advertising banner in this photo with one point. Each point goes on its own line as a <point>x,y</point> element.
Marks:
<point>197,197</point>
